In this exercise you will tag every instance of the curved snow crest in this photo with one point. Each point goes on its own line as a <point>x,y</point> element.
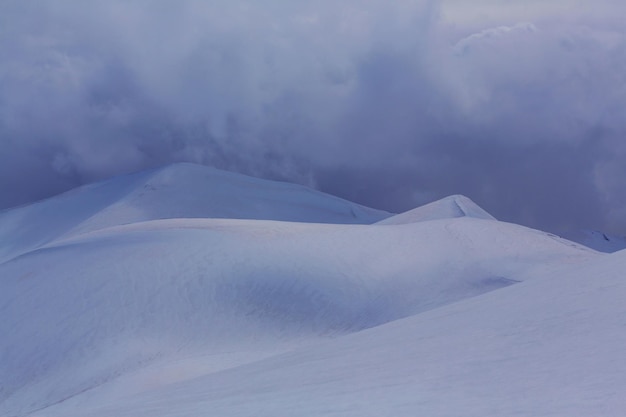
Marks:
<point>182,190</point>
<point>450,207</point>
<point>186,190</point>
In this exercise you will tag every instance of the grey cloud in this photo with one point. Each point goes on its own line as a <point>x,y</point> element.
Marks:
<point>383,103</point>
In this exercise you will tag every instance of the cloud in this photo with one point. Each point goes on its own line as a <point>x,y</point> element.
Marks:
<point>390,104</point>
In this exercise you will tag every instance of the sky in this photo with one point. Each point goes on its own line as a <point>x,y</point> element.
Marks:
<point>393,104</point>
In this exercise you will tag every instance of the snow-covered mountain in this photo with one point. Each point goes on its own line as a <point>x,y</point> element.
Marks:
<point>138,296</point>
<point>176,191</point>
<point>449,207</point>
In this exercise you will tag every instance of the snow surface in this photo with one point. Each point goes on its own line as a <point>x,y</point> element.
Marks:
<point>449,207</point>
<point>597,240</point>
<point>175,191</point>
<point>108,311</point>
<point>545,347</point>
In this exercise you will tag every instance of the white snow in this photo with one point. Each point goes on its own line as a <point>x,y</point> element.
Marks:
<point>546,347</point>
<point>444,312</point>
<point>449,207</point>
<point>602,242</point>
<point>176,191</point>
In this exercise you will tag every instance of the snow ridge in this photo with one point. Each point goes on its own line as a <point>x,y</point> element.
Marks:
<point>597,240</point>
<point>180,190</point>
<point>450,207</point>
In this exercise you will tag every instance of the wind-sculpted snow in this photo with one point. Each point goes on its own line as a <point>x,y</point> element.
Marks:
<point>88,310</point>
<point>546,347</point>
<point>152,295</point>
<point>176,191</point>
<point>449,207</point>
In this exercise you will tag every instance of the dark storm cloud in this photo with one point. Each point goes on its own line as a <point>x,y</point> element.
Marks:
<point>388,104</point>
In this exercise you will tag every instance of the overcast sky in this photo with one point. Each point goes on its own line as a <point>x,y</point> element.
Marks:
<point>520,105</point>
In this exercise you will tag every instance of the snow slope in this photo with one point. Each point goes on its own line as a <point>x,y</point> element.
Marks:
<point>599,241</point>
<point>449,207</point>
<point>163,294</point>
<point>545,347</point>
<point>25,228</point>
<point>175,191</point>
<point>86,314</point>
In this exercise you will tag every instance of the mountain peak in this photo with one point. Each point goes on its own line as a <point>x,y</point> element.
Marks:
<point>449,207</point>
<point>181,190</point>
